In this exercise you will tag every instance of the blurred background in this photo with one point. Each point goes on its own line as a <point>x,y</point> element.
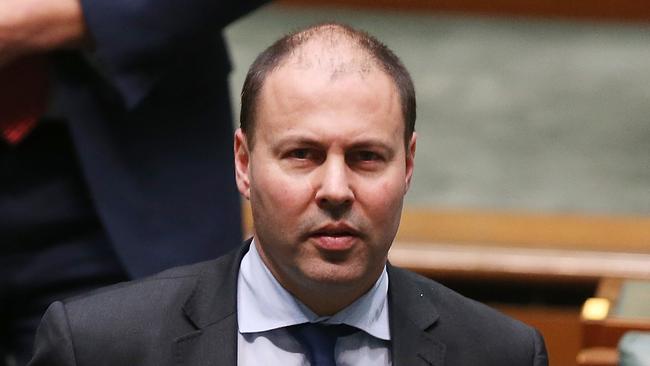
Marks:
<point>532,179</point>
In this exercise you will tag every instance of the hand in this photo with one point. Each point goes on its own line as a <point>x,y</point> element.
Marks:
<point>36,26</point>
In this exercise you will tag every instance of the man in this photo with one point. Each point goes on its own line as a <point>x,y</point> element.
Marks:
<point>129,169</point>
<point>325,155</point>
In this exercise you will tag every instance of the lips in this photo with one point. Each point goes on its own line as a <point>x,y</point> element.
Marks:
<point>335,237</point>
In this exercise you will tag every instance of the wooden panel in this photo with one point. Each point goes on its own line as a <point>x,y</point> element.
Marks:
<point>598,356</point>
<point>608,332</point>
<point>634,10</point>
<point>559,326</point>
<point>609,288</point>
<point>601,333</point>
<point>520,229</point>
<point>533,264</point>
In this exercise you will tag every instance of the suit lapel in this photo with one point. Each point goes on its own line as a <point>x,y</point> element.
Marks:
<point>215,345</point>
<point>412,316</point>
<point>212,310</point>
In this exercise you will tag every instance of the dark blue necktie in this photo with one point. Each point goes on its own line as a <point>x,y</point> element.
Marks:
<point>319,340</point>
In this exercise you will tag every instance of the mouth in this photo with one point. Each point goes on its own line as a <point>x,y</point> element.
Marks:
<point>335,237</point>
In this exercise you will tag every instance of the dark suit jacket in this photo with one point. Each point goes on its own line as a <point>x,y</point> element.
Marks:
<point>150,118</point>
<point>188,316</point>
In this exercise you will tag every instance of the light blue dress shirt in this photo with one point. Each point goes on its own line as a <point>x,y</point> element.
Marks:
<point>265,308</point>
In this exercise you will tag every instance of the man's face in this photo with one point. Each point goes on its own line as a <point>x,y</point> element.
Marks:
<point>327,175</point>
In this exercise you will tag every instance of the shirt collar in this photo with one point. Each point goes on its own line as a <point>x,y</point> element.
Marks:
<point>263,304</point>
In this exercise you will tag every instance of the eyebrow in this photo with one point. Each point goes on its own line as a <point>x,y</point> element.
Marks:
<point>297,140</point>
<point>374,144</point>
<point>314,142</point>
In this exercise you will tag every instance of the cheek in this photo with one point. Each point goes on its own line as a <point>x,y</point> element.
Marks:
<point>384,201</point>
<point>280,194</point>
<point>389,191</point>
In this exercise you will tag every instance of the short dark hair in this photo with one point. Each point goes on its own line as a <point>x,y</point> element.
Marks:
<point>272,57</point>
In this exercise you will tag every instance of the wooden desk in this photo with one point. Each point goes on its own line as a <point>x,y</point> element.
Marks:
<point>635,10</point>
<point>535,264</point>
<point>619,306</point>
<point>547,247</point>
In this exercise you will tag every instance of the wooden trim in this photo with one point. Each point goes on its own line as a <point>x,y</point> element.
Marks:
<point>610,289</point>
<point>626,10</point>
<point>608,332</point>
<point>598,356</point>
<point>527,230</point>
<point>544,265</point>
<point>560,327</point>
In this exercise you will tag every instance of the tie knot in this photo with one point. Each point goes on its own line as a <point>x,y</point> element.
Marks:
<point>319,340</point>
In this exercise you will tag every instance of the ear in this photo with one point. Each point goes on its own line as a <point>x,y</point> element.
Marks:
<point>410,161</point>
<point>242,163</point>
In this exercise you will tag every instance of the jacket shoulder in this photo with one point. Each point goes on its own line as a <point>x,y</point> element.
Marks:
<point>474,333</point>
<point>132,320</point>
<point>166,284</point>
<point>450,303</point>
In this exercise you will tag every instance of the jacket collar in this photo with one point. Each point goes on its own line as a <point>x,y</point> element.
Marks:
<point>413,315</point>
<point>212,310</point>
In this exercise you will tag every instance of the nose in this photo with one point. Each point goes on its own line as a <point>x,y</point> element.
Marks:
<point>334,193</point>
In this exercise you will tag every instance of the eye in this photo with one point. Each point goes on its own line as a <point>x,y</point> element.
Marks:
<point>300,154</point>
<point>365,156</point>
<point>368,160</point>
<point>304,154</point>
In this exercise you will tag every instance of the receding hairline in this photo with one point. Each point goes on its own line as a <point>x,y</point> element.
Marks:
<point>329,45</point>
<point>363,53</point>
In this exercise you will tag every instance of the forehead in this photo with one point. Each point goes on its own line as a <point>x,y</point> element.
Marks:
<point>343,103</point>
<point>330,52</point>
<point>329,89</point>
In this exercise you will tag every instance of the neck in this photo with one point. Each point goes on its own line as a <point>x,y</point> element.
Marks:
<point>328,301</point>
<point>323,297</point>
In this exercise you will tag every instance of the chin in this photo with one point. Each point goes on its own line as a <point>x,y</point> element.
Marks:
<point>335,274</point>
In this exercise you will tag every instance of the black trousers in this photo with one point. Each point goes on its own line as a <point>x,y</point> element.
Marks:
<point>52,244</point>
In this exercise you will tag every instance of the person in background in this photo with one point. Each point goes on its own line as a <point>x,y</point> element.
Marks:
<point>325,154</point>
<point>115,147</point>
